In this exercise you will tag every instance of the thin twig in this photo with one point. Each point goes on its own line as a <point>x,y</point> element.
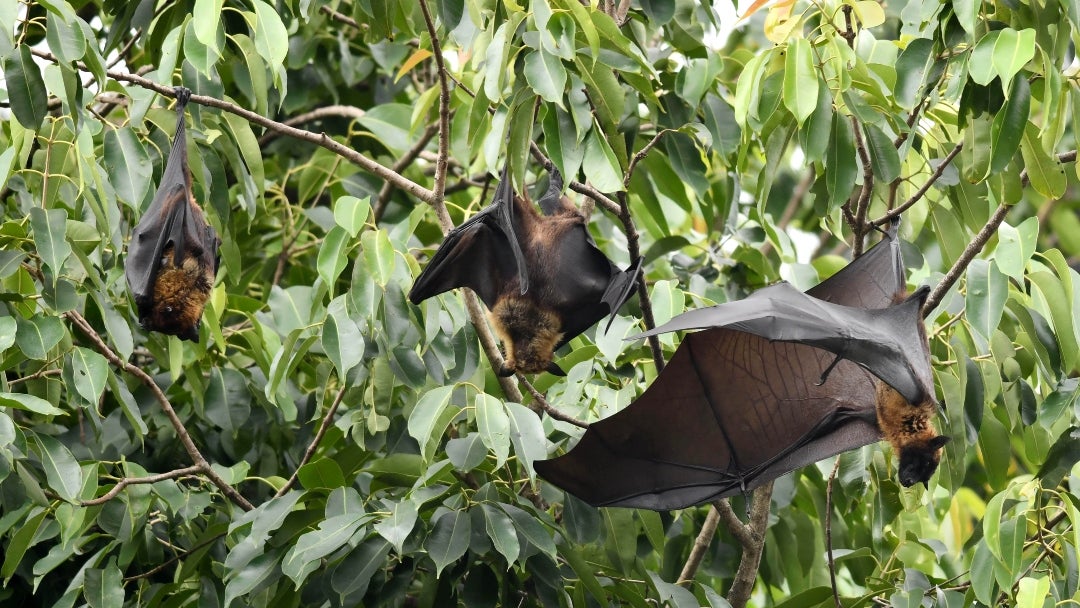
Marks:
<point>828,532</point>
<point>701,544</point>
<point>859,227</point>
<point>895,213</point>
<point>341,17</point>
<point>641,154</point>
<point>173,559</point>
<point>444,103</point>
<point>543,404</point>
<point>634,249</point>
<point>131,481</point>
<point>178,425</point>
<point>315,441</point>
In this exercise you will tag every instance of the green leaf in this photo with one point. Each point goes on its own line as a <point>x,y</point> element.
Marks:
<point>351,213</point>
<point>1008,126</point>
<point>353,575</point>
<point>884,159</point>
<point>527,436</point>
<point>389,123</point>
<point>981,66</point>
<point>546,75</point>
<point>321,473</point>
<point>332,533</point>
<point>840,161</point>
<point>987,290</point>
<point>430,417</point>
<point>493,425</point>
<point>49,227</point>
<point>29,403</point>
<point>500,529</point>
<point>379,255</point>
<point>1016,246</point>
<point>1047,175</point>
<point>262,570</point>
<point>128,164</point>
<point>61,469</point>
<point>911,68</point>
<point>332,256</point>
<point>91,373</point>
<point>1032,592</point>
<point>65,41</point>
<point>396,527</point>
<point>1061,458</point>
<point>25,88</point>
<point>600,165</point>
<point>23,538</point>
<point>800,80</point>
<point>1012,50</point>
<point>271,37</point>
<point>530,528</point>
<point>104,587</point>
<point>449,539</point>
<point>8,326</point>
<point>37,335</point>
<point>342,339</point>
<point>659,11</point>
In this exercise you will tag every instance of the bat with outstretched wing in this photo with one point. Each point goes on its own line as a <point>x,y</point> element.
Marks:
<point>172,258</point>
<point>541,276</point>
<point>780,380</point>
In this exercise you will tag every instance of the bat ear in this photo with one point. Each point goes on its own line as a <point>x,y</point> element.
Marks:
<point>939,441</point>
<point>552,368</point>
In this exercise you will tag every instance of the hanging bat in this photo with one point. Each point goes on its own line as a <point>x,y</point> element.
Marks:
<point>542,277</point>
<point>172,257</point>
<point>782,379</point>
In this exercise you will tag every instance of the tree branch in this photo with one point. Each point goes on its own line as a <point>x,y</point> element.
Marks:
<point>131,481</point>
<point>315,441</point>
<point>338,111</point>
<point>859,227</point>
<point>181,431</point>
<point>701,544</point>
<point>751,556</point>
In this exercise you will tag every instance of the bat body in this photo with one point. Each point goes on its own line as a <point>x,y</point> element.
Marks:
<point>541,276</point>
<point>172,257</point>
<point>780,380</point>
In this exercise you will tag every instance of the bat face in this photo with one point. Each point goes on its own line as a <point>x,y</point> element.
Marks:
<point>542,277</point>
<point>774,382</point>
<point>172,257</point>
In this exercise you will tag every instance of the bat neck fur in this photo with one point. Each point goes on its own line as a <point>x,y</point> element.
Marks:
<point>528,332</point>
<point>909,429</point>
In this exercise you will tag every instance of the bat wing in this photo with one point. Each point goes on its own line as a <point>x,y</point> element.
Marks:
<point>474,254</point>
<point>726,415</point>
<point>873,280</point>
<point>587,286</point>
<point>889,342</point>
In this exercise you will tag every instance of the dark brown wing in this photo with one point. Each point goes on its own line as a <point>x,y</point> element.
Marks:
<point>483,254</point>
<point>585,286</point>
<point>733,410</point>
<point>729,412</point>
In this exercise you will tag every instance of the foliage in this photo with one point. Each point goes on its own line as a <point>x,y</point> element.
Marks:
<point>738,159</point>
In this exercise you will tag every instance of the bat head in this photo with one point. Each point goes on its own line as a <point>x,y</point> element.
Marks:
<point>919,460</point>
<point>529,334</point>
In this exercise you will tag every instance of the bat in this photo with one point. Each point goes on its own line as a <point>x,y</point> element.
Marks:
<point>172,258</point>
<point>780,380</point>
<point>541,276</point>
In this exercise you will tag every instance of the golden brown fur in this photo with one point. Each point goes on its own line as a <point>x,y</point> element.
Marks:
<point>180,295</point>
<point>528,333</point>
<point>908,428</point>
